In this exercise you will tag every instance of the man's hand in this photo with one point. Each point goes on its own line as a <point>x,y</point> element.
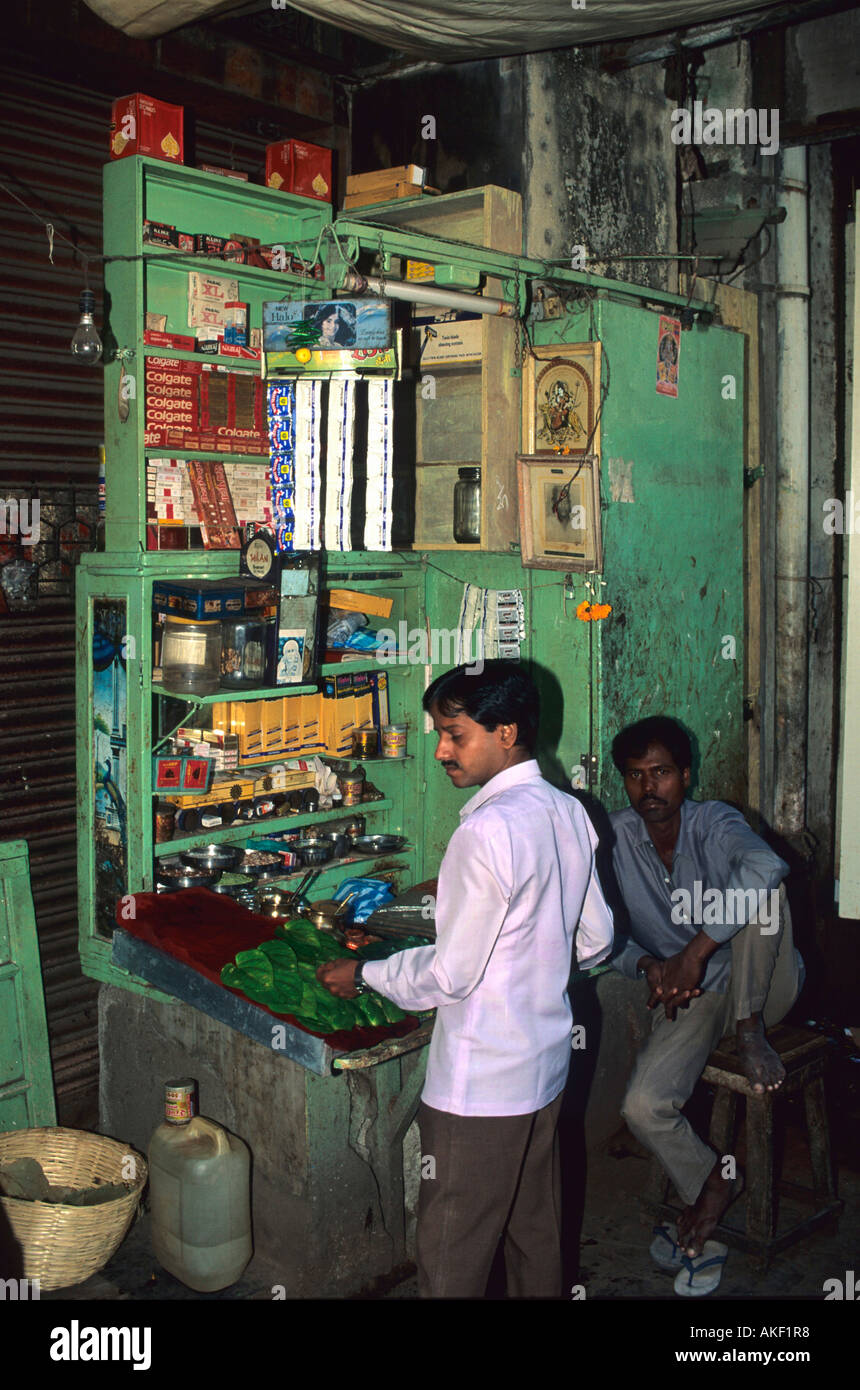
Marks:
<point>338,976</point>
<point>654,975</point>
<point>682,974</point>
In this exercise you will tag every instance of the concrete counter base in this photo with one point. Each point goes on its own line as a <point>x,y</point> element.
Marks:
<point>330,1211</point>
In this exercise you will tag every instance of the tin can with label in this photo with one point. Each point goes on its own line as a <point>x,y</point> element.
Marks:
<point>165,821</point>
<point>179,1105</point>
<point>351,787</point>
<point>365,743</point>
<point>394,740</point>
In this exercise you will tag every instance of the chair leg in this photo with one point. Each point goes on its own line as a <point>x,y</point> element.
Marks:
<point>760,1187</point>
<point>815,1105</point>
<point>722,1132</point>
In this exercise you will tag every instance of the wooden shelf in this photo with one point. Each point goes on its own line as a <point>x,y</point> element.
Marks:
<point>257,829</point>
<point>246,363</point>
<point>168,451</point>
<point>345,862</point>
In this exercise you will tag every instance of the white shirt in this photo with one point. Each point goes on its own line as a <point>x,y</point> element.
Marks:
<point>516,885</point>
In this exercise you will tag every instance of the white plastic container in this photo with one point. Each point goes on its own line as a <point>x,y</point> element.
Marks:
<point>200,1195</point>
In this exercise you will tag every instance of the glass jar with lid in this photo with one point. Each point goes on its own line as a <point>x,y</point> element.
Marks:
<point>244,644</point>
<point>191,656</point>
<point>467,506</point>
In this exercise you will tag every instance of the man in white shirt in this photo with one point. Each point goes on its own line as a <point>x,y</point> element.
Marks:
<point>517,892</point>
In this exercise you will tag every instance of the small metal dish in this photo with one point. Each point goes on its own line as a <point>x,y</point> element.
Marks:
<point>211,857</point>
<point>174,874</point>
<point>341,844</point>
<point>378,844</point>
<point>314,851</point>
<point>262,863</point>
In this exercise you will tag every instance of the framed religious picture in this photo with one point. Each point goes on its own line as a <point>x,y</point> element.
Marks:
<point>561,394</point>
<point>560,512</point>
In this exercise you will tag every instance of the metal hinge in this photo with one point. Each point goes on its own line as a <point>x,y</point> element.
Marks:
<point>752,475</point>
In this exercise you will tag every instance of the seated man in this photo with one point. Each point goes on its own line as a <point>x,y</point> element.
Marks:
<point>711,933</point>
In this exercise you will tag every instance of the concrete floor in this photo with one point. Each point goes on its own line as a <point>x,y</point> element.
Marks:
<point>608,1256</point>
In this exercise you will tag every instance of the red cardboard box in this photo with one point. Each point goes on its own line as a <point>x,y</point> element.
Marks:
<point>142,125</point>
<point>294,166</point>
<point>154,338</point>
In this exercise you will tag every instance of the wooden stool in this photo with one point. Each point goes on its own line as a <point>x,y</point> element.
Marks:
<point>805,1056</point>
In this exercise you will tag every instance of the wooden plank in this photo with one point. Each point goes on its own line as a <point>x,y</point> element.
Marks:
<point>503,230</point>
<point>481,425</point>
<point>26,1084</point>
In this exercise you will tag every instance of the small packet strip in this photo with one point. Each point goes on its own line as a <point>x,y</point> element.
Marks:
<point>281,419</point>
<point>380,435</point>
<point>307,465</point>
<point>491,624</point>
<point>339,477</point>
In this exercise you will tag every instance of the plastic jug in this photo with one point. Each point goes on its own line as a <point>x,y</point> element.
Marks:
<point>199,1187</point>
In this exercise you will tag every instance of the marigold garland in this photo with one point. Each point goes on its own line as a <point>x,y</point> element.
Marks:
<point>593,612</point>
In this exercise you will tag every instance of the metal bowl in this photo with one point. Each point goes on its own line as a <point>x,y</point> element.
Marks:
<point>341,844</point>
<point>235,890</point>
<point>274,902</point>
<point>212,857</point>
<point>314,851</point>
<point>172,873</point>
<point>263,863</point>
<point>378,844</point>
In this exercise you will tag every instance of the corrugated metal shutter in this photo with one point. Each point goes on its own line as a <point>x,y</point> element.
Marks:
<point>53,144</point>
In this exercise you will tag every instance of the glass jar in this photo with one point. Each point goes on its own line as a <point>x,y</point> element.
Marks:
<point>243,652</point>
<point>467,507</point>
<point>191,656</point>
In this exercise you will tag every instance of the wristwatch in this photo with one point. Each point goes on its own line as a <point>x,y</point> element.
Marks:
<point>358,979</point>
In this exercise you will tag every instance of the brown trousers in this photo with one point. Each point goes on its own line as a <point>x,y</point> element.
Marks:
<point>493,1175</point>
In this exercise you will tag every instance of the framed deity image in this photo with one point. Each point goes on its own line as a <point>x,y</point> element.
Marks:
<point>561,392</point>
<point>560,512</point>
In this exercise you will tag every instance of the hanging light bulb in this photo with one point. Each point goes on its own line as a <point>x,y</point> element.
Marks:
<point>86,343</point>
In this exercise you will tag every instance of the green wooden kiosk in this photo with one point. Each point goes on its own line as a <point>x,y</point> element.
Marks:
<point>336,1163</point>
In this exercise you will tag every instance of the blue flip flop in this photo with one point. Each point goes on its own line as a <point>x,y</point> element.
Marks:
<point>701,1274</point>
<point>665,1250</point>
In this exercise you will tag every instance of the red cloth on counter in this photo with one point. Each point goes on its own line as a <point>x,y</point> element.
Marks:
<point>205,930</point>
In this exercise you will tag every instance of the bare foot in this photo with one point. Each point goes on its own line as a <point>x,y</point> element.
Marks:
<point>697,1223</point>
<point>761,1065</point>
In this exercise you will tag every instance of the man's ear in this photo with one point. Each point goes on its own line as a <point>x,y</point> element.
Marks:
<point>508,734</point>
<point>686,777</point>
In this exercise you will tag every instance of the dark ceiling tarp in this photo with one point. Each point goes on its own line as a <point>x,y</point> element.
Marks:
<point>451,30</point>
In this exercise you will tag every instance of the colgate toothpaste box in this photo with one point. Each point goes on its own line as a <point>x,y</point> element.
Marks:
<point>294,166</point>
<point>142,125</point>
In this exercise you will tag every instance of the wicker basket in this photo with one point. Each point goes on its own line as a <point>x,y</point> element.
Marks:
<point>64,1245</point>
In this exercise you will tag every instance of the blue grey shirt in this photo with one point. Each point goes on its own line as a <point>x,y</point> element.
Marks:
<point>716,849</point>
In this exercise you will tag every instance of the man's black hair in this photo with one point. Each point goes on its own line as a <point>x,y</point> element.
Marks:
<point>636,739</point>
<point>501,694</point>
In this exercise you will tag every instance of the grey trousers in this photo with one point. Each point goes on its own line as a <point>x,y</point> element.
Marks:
<point>765,978</point>
<point>493,1175</point>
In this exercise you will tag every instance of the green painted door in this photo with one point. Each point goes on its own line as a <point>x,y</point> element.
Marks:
<point>26,1087</point>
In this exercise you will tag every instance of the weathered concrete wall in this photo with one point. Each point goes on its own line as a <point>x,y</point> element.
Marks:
<point>825,480</point>
<point>327,1152</point>
<point>591,154</point>
<point>599,166</point>
<point>477,109</point>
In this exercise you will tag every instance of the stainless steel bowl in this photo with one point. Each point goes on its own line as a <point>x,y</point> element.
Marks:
<point>172,873</point>
<point>212,857</point>
<point>378,844</point>
<point>267,863</point>
<point>314,851</point>
<point>341,844</point>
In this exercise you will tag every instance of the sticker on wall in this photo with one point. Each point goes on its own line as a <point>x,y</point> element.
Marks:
<point>668,354</point>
